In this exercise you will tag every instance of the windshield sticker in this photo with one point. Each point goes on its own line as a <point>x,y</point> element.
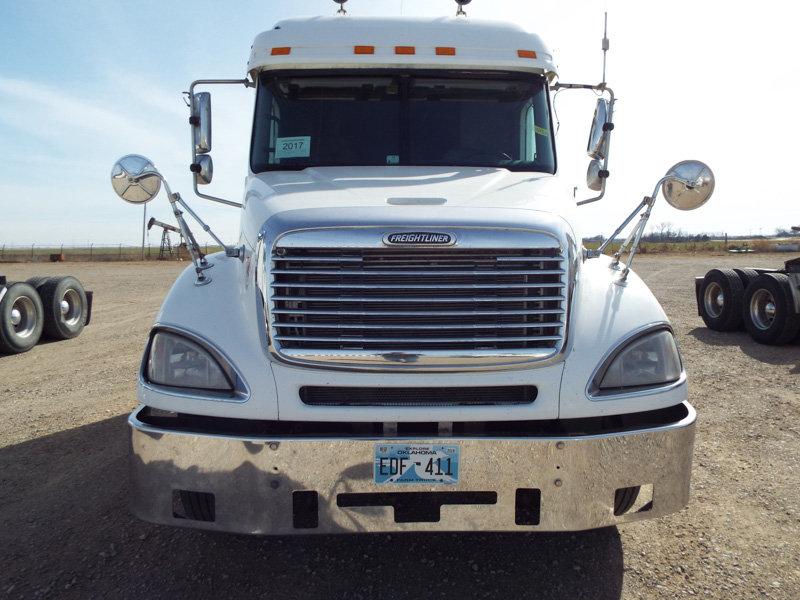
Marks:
<point>293,147</point>
<point>541,130</point>
<point>392,159</point>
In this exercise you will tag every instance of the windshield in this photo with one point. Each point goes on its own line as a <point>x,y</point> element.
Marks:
<point>407,118</point>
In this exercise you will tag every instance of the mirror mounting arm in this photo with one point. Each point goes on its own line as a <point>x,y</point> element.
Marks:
<point>245,82</point>
<point>607,127</point>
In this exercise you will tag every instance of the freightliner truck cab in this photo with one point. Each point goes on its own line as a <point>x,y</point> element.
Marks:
<point>409,333</point>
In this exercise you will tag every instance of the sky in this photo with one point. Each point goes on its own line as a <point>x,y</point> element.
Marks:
<point>85,82</point>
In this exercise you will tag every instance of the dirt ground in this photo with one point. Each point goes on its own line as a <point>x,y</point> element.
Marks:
<point>65,531</point>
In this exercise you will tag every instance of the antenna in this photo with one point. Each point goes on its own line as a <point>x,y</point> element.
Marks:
<point>341,10</point>
<point>461,4</point>
<point>605,44</point>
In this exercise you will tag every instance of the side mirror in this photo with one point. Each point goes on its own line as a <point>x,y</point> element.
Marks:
<point>596,148</point>
<point>593,180</point>
<point>201,122</point>
<point>203,169</point>
<point>689,185</point>
<point>135,179</point>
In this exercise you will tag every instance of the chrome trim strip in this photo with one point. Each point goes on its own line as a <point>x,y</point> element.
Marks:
<point>406,313</point>
<point>415,327</point>
<point>463,300</point>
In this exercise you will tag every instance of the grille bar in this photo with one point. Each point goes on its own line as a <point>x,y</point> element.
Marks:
<point>411,299</point>
<point>417,313</point>
<point>353,304</point>
<point>432,272</point>
<point>424,286</point>
<point>416,326</point>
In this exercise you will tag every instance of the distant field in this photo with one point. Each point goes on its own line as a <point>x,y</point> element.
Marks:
<point>91,253</point>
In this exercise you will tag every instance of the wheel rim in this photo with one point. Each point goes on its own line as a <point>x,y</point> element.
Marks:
<point>762,309</point>
<point>714,299</point>
<point>71,309</point>
<point>23,316</point>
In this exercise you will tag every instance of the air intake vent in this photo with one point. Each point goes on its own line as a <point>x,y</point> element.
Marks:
<point>472,396</point>
<point>399,306</point>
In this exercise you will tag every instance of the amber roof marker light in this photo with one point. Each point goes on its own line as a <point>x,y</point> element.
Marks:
<point>405,50</point>
<point>445,51</point>
<point>526,53</point>
<point>281,51</point>
<point>363,49</point>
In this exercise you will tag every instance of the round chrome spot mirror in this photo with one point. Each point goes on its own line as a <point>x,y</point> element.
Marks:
<point>593,180</point>
<point>135,179</point>
<point>689,185</point>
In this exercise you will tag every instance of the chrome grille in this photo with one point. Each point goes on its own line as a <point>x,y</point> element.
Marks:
<point>352,305</point>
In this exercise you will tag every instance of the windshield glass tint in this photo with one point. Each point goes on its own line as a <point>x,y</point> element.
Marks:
<point>402,119</point>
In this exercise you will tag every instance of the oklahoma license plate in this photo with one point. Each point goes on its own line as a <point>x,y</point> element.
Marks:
<point>416,463</point>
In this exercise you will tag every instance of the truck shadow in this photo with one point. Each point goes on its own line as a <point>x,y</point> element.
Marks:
<point>65,530</point>
<point>773,355</point>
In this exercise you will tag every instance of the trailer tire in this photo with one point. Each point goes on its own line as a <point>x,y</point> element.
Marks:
<point>21,318</point>
<point>768,312</point>
<point>624,499</point>
<point>720,300</point>
<point>65,307</point>
<point>747,276</point>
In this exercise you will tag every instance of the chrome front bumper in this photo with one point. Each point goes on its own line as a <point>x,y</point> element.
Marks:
<point>254,480</point>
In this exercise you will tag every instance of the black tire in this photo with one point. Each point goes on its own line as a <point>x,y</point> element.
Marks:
<point>624,499</point>
<point>768,312</point>
<point>720,300</point>
<point>21,318</point>
<point>37,282</point>
<point>58,324</point>
<point>747,276</point>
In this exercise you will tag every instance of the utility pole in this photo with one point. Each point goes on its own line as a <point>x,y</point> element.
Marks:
<point>144,225</point>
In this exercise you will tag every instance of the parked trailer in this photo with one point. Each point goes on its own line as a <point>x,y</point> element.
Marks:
<point>57,308</point>
<point>764,302</point>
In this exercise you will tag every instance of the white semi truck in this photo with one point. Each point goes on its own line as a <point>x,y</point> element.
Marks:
<point>409,334</point>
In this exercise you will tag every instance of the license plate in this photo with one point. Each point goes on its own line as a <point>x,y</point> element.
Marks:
<point>416,463</point>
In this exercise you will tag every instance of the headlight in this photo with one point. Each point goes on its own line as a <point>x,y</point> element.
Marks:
<point>177,361</point>
<point>651,360</point>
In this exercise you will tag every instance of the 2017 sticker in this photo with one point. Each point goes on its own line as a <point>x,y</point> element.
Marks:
<point>293,147</point>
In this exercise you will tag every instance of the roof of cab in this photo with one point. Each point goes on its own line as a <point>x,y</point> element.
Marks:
<point>331,42</point>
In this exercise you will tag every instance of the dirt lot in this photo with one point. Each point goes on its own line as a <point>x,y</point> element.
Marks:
<point>65,531</point>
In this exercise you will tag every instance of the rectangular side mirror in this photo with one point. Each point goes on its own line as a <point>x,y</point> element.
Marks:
<point>201,122</point>
<point>596,148</point>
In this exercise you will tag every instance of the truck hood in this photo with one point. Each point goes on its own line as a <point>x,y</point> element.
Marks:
<point>416,188</point>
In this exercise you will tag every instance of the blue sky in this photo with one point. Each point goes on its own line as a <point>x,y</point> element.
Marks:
<point>83,82</point>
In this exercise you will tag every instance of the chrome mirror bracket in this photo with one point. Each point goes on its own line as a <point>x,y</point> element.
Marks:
<point>195,104</point>
<point>602,170</point>
<point>696,184</point>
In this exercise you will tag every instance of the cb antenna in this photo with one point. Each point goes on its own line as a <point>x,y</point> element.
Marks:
<point>461,4</point>
<point>341,10</point>
<point>605,44</point>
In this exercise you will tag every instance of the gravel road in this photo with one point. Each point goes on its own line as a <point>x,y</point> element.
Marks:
<point>65,531</point>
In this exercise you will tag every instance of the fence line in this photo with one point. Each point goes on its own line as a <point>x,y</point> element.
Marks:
<point>97,252</point>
